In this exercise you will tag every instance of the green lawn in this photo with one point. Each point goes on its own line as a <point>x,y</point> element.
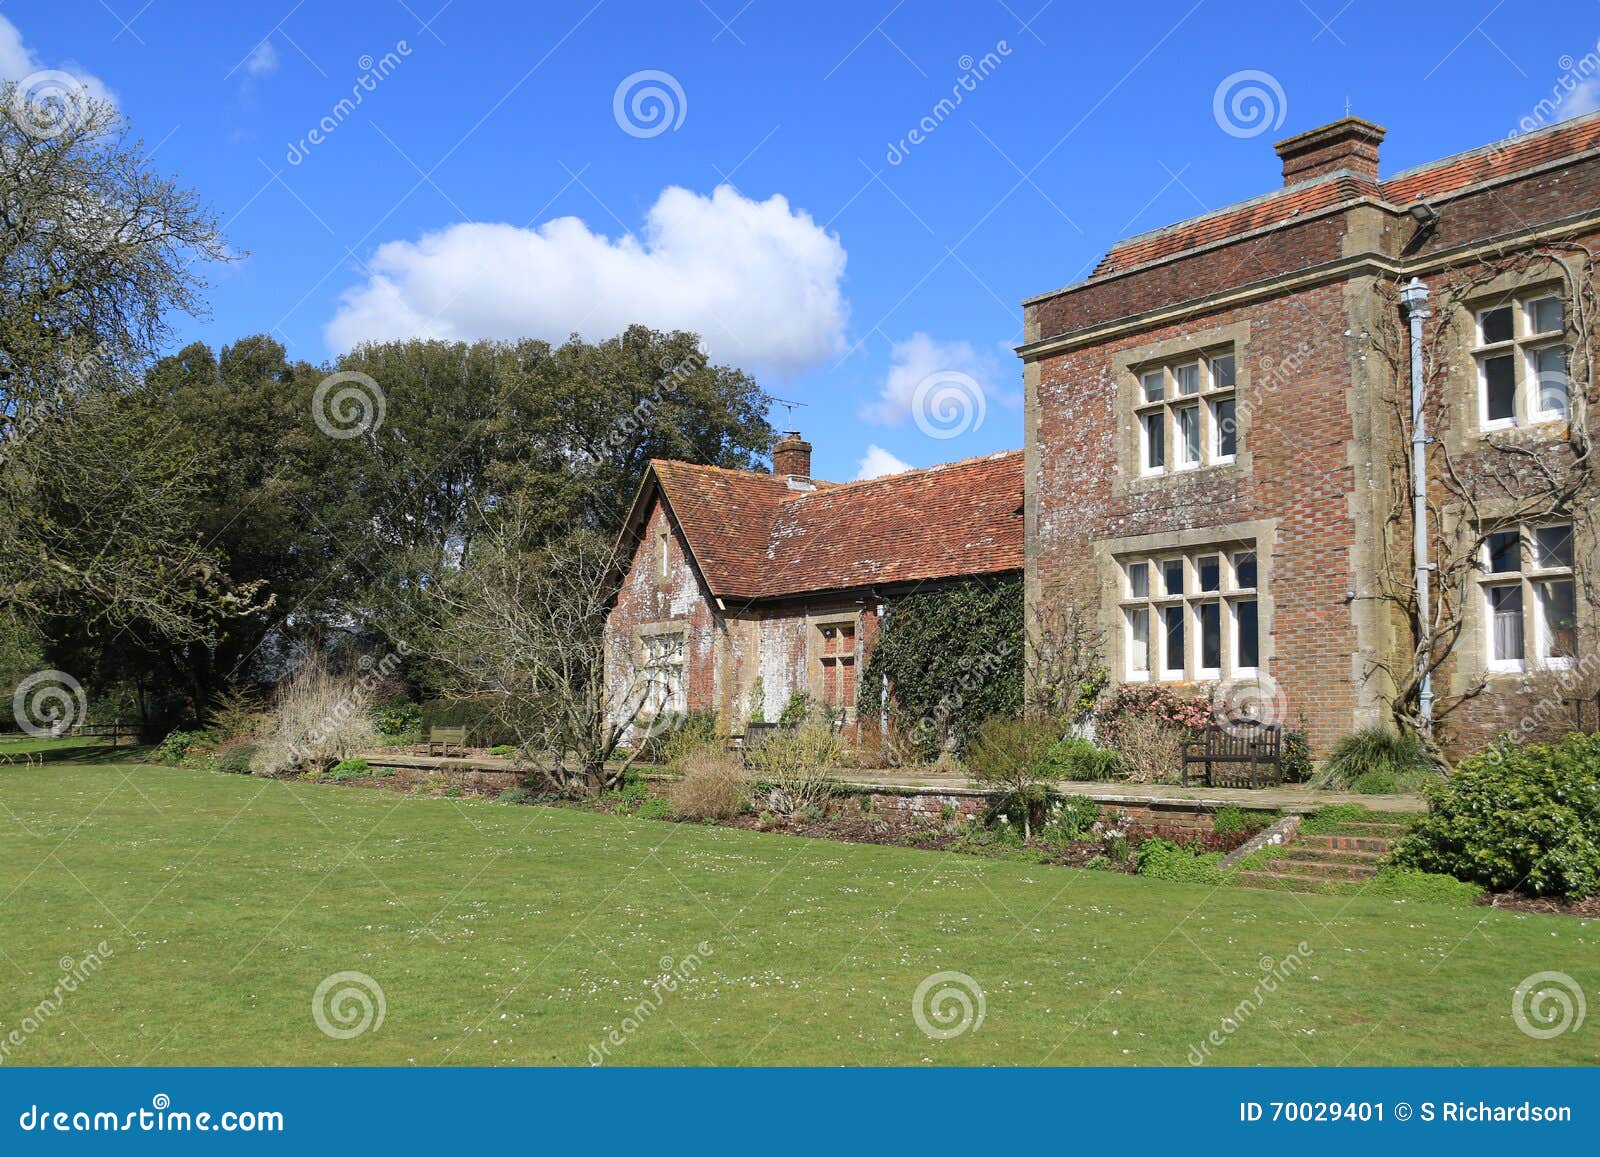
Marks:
<point>521,935</point>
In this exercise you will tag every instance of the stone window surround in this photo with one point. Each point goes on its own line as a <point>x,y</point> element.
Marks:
<point>646,631</point>
<point>814,677</point>
<point>1111,554</point>
<point>1127,399</point>
<point>1464,431</point>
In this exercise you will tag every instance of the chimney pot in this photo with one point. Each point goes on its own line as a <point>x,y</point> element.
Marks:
<point>791,456</point>
<point>1350,144</point>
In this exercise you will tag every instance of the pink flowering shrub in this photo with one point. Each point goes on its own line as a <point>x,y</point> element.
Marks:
<point>1136,699</point>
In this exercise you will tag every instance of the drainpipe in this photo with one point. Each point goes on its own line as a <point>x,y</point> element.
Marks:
<point>1414,296</point>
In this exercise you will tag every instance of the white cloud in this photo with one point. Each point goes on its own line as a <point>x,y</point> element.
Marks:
<point>918,358</point>
<point>1585,98</point>
<point>263,61</point>
<point>18,61</point>
<point>758,281</point>
<point>877,462</point>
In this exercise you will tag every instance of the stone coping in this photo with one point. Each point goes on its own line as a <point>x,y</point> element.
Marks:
<point>1290,800</point>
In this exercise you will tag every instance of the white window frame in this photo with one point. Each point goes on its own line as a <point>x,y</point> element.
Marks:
<point>1228,596</point>
<point>1523,348</point>
<point>1531,578</point>
<point>1165,408</point>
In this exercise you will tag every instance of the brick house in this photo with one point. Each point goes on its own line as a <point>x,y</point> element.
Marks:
<point>738,589</point>
<point>1217,430</point>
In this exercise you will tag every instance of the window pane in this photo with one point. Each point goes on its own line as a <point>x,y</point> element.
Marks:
<point>1505,619</point>
<point>1495,325</point>
<point>1188,432</point>
<point>1222,372</point>
<point>1505,552</point>
<point>1211,636</point>
<point>1172,576</point>
<point>1155,441</point>
<point>1187,379</point>
<point>1500,388</point>
<point>1246,634</point>
<point>1210,568</point>
<point>1139,640</point>
<point>1139,580</point>
<point>1223,416</point>
<point>1552,546</point>
<point>1550,374</point>
<point>1546,315</point>
<point>1173,663</point>
<point>1558,609</point>
<point>1244,570</point>
<point>1154,385</point>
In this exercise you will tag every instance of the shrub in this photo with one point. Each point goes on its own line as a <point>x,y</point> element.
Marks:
<point>1012,756</point>
<point>1327,820</point>
<point>235,758</point>
<point>655,808</point>
<point>179,744</point>
<point>396,716</point>
<point>1134,701</point>
<point>1164,860</point>
<point>1081,761</point>
<point>516,795</point>
<point>797,710</point>
<point>1374,761</point>
<point>1151,747</point>
<point>1074,815</point>
<point>350,769</point>
<point>694,732</point>
<point>318,718</point>
<point>794,767</point>
<point>1228,818</point>
<point>713,787</point>
<point>236,712</point>
<point>1517,818</point>
<point>1296,756</point>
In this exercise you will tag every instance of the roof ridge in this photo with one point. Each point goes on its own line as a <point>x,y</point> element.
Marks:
<point>857,483</point>
<point>1500,145</point>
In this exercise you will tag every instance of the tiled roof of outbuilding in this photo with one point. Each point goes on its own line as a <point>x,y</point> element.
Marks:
<point>753,536</point>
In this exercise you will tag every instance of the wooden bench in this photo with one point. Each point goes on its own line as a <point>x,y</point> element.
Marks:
<point>112,731</point>
<point>1255,749</point>
<point>444,738</point>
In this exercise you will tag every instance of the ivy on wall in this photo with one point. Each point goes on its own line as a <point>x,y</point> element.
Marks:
<point>951,657</point>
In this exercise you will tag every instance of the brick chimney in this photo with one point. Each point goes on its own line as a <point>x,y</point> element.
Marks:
<point>791,455</point>
<point>1350,144</point>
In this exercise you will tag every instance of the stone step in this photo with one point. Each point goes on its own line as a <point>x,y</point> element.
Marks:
<point>1345,843</point>
<point>1322,870</point>
<point>1381,828</point>
<point>1279,881</point>
<point>1329,855</point>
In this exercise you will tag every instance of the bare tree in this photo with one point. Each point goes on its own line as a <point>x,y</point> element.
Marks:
<point>519,630</point>
<point>1480,486</point>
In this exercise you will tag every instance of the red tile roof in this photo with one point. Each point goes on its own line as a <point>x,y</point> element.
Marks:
<point>753,537</point>
<point>1428,181</point>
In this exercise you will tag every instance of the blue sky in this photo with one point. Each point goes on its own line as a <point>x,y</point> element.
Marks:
<point>496,178</point>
